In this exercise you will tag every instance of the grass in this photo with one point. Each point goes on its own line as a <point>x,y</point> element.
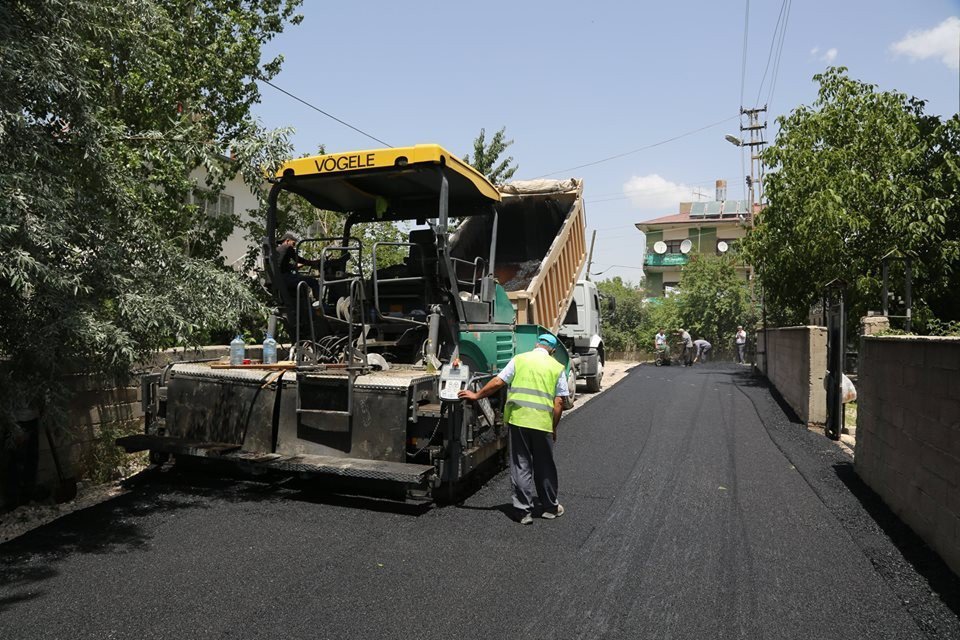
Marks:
<point>850,415</point>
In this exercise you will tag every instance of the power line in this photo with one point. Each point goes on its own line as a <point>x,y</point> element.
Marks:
<point>776,65</point>
<point>614,266</point>
<point>619,226</point>
<point>743,84</point>
<point>743,63</point>
<point>649,146</point>
<point>332,117</point>
<point>773,46</point>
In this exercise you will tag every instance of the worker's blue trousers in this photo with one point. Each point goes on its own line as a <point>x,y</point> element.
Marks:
<point>532,465</point>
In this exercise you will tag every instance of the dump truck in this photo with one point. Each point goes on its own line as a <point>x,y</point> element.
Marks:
<point>540,252</point>
<point>369,394</point>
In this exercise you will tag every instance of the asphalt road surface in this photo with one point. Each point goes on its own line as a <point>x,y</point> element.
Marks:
<point>695,509</point>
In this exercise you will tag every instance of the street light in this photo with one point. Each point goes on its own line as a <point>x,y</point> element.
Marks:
<point>734,140</point>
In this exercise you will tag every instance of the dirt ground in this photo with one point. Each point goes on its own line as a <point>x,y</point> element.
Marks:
<point>30,516</point>
<point>24,518</point>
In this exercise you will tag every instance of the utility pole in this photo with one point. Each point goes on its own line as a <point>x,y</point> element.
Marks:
<point>593,239</point>
<point>755,147</point>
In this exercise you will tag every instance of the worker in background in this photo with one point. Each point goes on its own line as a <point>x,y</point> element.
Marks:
<point>660,343</point>
<point>703,348</point>
<point>537,386</point>
<point>288,260</point>
<point>741,341</point>
<point>687,346</point>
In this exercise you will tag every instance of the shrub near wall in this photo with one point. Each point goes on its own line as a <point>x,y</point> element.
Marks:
<point>908,434</point>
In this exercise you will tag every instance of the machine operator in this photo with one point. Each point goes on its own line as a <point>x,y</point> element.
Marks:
<point>288,261</point>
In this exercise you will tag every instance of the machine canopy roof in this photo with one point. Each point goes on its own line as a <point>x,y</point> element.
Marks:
<point>404,181</point>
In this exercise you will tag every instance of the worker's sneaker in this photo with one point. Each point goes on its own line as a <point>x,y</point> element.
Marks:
<point>550,515</point>
<point>527,518</point>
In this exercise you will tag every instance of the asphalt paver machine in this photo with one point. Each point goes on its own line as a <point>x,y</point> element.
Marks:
<point>369,395</point>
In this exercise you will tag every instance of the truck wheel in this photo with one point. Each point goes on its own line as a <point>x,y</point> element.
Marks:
<point>594,382</point>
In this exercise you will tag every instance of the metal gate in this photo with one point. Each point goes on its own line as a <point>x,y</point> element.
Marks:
<point>835,313</point>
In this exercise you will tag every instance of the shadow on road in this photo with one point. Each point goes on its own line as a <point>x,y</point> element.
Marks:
<point>379,504</point>
<point>924,560</point>
<point>110,527</point>
<point>506,508</point>
<point>21,580</point>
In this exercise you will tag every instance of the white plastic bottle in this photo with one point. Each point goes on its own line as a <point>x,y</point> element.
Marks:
<point>237,351</point>
<point>269,350</point>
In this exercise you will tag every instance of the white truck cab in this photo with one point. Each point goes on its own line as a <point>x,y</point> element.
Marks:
<point>580,332</point>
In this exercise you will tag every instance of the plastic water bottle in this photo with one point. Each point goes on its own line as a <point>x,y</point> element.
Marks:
<point>269,350</point>
<point>237,351</point>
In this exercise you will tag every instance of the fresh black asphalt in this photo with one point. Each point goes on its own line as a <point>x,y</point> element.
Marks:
<point>695,509</point>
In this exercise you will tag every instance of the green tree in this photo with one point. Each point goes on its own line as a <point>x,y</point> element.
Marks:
<point>714,299</point>
<point>106,109</point>
<point>859,173</point>
<point>660,313</point>
<point>621,325</point>
<point>486,157</point>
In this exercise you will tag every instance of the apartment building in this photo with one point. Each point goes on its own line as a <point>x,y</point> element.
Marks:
<point>699,228</point>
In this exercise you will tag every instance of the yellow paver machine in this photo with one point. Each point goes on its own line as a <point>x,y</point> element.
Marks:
<point>378,354</point>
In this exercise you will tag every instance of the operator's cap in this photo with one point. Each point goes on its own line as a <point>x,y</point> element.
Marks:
<point>290,235</point>
<point>547,340</point>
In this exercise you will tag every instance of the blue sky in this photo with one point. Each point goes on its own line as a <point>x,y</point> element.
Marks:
<point>575,83</point>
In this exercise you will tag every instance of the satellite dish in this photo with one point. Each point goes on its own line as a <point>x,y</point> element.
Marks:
<point>660,247</point>
<point>723,247</point>
<point>685,246</point>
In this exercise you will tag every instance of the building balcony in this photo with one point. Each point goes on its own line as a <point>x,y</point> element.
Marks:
<point>666,260</point>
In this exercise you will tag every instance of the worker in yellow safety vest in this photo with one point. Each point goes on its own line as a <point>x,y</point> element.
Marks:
<point>537,385</point>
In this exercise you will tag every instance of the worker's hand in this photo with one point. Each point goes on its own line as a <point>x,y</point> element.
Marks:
<point>468,395</point>
<point>554,434</point>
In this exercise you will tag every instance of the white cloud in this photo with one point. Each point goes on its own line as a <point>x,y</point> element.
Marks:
<point>652,193</point>
<point>828,55</point>
<point>941,42</point>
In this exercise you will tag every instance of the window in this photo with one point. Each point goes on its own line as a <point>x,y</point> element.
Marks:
<point>213,206</point>
<point>673,246</point>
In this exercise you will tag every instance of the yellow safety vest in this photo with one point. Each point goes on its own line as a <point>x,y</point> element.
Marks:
<point>532,390</point>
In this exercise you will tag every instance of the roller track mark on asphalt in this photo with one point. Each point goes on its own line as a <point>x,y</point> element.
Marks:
<point>737,543</point>
<point>738,596</point>
<point>595,600</point>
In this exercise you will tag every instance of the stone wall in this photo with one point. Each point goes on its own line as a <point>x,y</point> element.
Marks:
<point>908,433</point>
<point>99,410</point>
<point>794,360</point>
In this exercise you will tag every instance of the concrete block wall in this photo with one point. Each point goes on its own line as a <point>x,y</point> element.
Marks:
<point>795,362</point>
<point>908,433</point>
<point>102,405</point>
